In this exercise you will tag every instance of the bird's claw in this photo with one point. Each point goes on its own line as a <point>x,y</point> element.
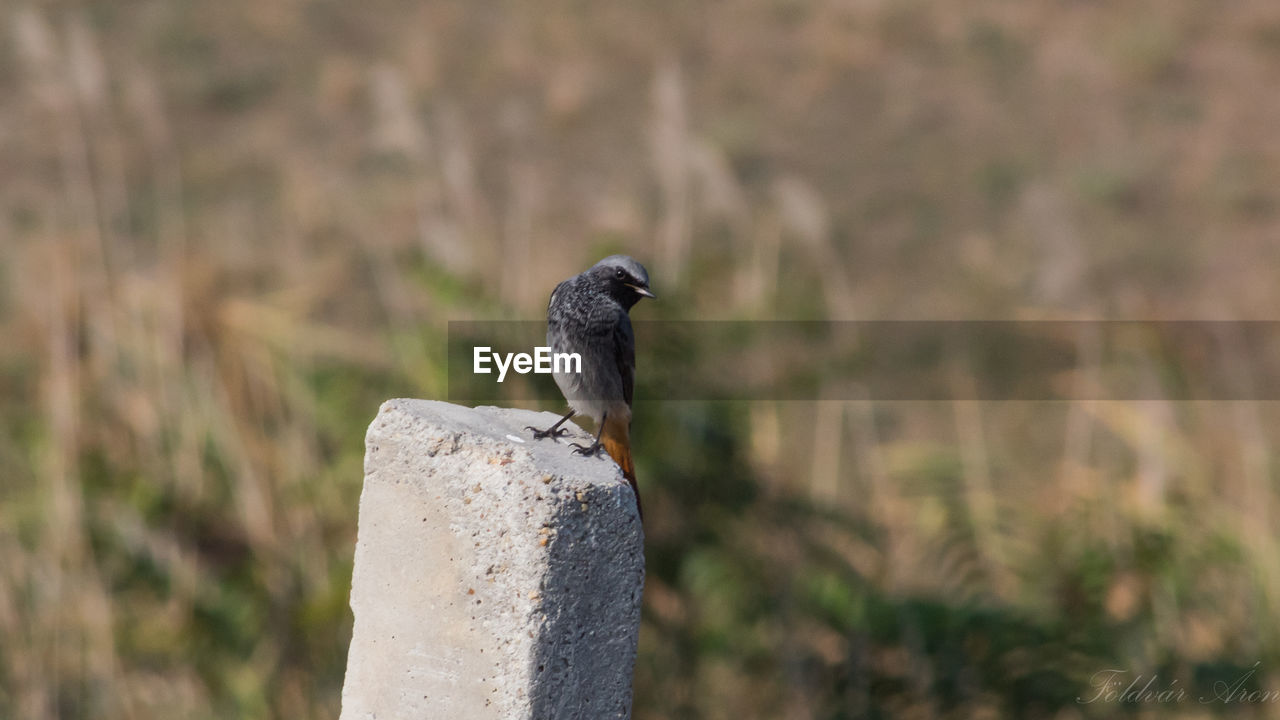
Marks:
<point>591,449</point>
<point>552,433</point>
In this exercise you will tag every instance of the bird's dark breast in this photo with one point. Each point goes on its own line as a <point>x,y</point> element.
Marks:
<point>585,323</point>
<point>575,333</point>
<point>578,316</point>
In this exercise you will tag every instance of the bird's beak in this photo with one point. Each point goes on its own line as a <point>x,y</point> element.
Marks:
<point>643,291</point>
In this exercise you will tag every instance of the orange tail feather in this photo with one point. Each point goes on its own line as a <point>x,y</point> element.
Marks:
<point>616,439</point>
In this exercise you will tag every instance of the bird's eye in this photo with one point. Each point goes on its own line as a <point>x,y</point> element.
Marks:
<point>620,274</point>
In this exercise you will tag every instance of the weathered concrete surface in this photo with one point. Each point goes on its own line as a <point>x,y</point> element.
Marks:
<point>495,576</point>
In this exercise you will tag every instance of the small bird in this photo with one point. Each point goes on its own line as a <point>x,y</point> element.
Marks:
<point>588,315</point>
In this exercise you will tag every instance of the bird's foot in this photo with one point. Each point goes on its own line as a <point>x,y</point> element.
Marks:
<point>552,432</point>
<point>591,449</point>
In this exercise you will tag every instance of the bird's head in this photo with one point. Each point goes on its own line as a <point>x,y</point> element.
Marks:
<point>622,278</point>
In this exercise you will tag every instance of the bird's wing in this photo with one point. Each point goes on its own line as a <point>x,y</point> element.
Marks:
<point>624,350</point>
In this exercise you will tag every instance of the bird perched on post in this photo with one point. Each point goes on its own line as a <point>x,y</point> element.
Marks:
<point>588,315</point>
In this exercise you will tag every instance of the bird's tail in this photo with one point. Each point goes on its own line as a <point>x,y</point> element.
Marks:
<point>616,438</point>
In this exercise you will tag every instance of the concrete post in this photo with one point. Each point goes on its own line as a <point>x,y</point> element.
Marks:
<point>495,576</point>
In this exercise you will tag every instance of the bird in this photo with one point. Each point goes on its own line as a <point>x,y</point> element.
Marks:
<point>589,314</point>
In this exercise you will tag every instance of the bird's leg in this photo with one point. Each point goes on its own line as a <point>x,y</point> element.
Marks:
<point>554,431</point>
<point>594,447</point>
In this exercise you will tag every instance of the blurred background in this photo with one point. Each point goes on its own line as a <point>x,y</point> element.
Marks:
<point>229,231</point>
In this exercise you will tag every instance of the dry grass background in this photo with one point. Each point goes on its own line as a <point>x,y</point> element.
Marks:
<point>229,230</point>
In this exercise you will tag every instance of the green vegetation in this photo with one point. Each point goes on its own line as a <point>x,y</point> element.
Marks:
<point>230,230</point>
